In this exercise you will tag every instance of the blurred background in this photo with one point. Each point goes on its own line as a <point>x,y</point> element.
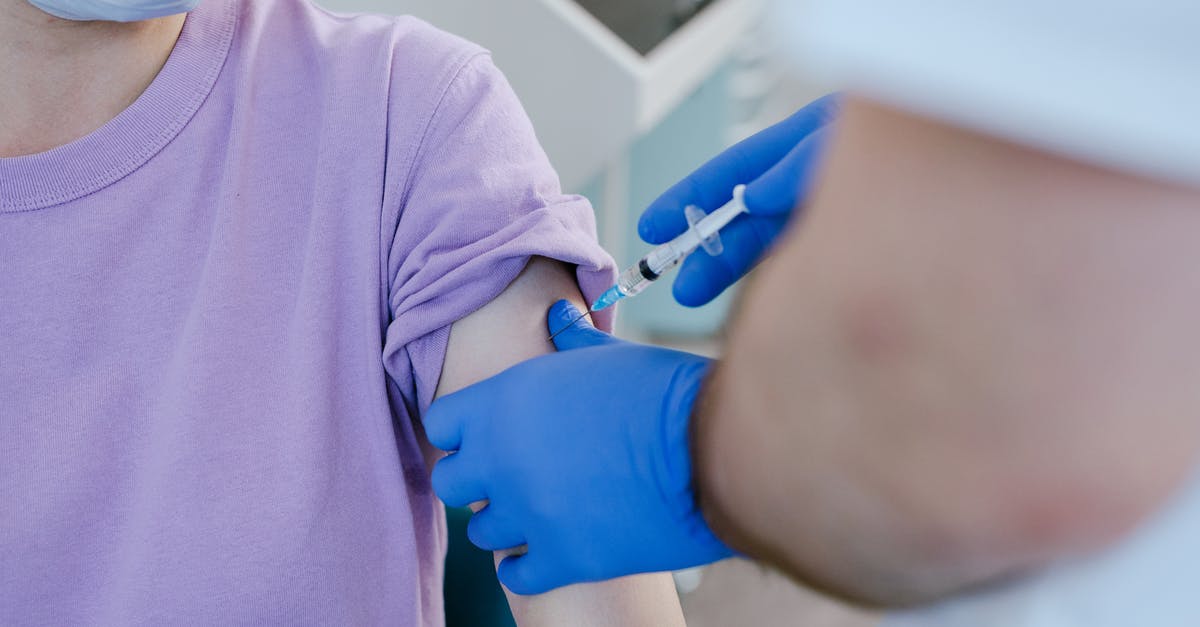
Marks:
<point>627,97</point>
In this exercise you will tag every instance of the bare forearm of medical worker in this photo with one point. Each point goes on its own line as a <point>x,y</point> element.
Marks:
<point>966,359</point>
<point>509,330</point>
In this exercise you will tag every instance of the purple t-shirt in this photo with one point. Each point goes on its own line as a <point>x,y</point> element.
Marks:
<point>222,314</point>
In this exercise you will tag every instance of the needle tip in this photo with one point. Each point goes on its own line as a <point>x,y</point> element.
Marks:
<point>569,325</point>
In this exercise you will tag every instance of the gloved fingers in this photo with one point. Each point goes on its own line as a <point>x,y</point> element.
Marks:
<point>708,188</point>
<point>456,482</point>
<point>703,277</point>
<point>489,531</point>
<point>526,574</point>
<point>712,184</point>
<point>580,333</point>
<point>446,417</point>
<point>788,183</point>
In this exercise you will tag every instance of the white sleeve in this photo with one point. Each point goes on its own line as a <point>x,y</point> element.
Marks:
<point>1113,82</point>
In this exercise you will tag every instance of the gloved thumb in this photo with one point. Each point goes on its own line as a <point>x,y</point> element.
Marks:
<point>572,330</point>
<point>522,574</point>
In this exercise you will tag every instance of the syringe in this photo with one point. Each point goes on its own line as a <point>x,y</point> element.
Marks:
<point>703,231</point>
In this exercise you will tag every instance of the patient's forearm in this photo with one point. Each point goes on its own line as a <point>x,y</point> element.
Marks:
<point>506,331</point>
<point>640,600</point>
<point>967,358</point>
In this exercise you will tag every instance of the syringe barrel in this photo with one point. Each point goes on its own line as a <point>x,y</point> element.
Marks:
<point>647,270</point>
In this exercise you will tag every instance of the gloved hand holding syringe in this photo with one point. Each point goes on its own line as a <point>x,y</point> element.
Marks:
<point>704,231</point>
<point>611,466</point>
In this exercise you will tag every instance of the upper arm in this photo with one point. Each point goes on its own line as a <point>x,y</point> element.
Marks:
<point>986,355</point>
<point>510,329</point>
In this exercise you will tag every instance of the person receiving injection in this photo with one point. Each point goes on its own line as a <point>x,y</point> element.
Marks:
<point>244,245</point>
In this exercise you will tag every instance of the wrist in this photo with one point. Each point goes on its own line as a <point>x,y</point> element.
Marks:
<point>704,481</point>
<point>686,389</point>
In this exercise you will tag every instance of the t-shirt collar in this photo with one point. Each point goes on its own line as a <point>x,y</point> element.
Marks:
<point>129,140</point>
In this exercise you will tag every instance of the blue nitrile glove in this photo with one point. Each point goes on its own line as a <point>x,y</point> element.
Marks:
<point>583,456</point>
<point>777,165</point>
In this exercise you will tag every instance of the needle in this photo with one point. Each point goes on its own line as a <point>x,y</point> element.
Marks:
<point>571,324</point>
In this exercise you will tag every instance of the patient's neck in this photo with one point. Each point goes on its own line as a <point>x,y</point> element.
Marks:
<point>60,79</point>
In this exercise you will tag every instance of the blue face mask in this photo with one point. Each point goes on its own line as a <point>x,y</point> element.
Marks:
<point>114,10</point>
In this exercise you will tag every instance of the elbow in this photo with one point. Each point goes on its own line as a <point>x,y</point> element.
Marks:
<point>972,474</point>
<point>892,444</point>
<point>941,553</point>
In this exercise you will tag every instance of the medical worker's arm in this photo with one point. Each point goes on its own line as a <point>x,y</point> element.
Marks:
<point>966,359</point>
<point>506,331</point>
